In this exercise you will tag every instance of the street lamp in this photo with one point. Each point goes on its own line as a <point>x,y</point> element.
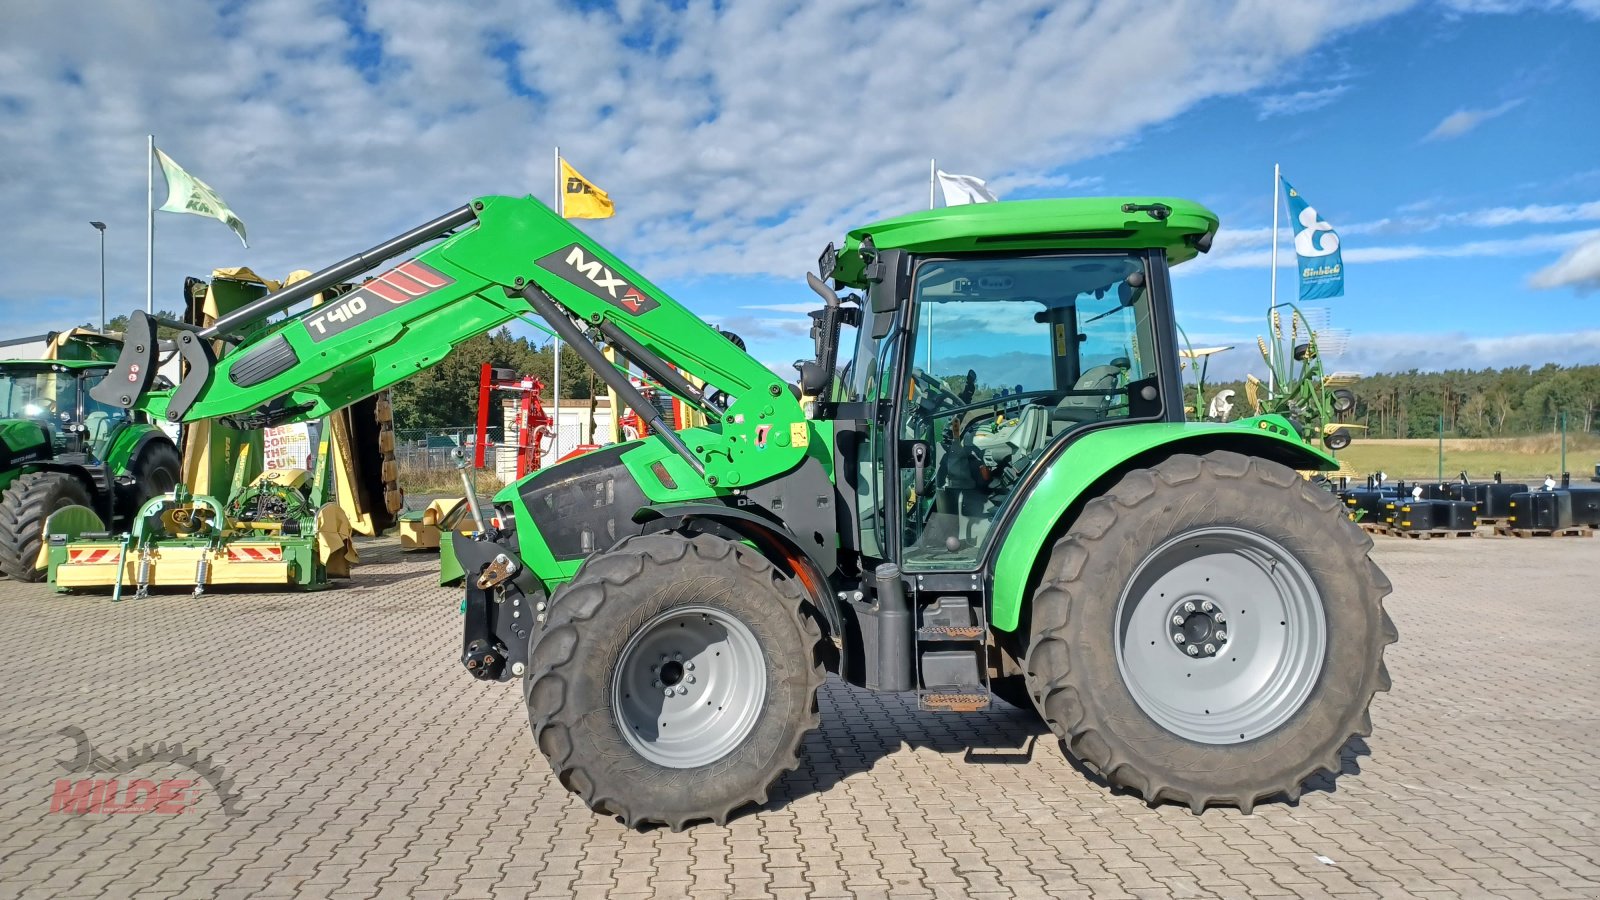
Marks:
<point>101,227</point>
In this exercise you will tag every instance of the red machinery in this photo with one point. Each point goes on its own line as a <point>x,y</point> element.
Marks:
<point>533,424</point>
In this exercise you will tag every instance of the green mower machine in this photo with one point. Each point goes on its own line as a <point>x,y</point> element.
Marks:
<point>996,493</point>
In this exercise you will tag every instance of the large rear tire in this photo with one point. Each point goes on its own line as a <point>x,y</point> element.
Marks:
<point>24,507</point>
<point>675,680</point>
<point>1210,631</point>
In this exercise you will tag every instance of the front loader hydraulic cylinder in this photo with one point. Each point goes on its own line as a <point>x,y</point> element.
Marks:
<point>562,323</point>
<point>338,272</point>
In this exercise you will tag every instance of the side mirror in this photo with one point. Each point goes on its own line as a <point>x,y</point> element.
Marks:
<point>1131,289</point>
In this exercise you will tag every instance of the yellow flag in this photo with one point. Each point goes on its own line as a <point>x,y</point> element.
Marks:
<point>581,199</point>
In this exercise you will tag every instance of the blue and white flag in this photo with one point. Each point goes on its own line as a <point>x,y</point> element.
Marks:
<point>1317,246</point>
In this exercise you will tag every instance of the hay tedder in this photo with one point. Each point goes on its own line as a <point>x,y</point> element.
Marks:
<point>1317,402</point>
<point>998,493</point>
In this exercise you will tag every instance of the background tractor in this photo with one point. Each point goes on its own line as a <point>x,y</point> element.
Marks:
<point>997,492</point>
<point>60,447</point>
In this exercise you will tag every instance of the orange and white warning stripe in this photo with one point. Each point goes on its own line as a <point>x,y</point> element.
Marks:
<point>255,554</point>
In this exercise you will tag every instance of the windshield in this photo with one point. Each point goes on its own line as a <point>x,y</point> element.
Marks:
<point>37,394</point>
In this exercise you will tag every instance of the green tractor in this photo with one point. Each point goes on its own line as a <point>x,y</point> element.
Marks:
<point>60,448</point>
<point>997,492</point>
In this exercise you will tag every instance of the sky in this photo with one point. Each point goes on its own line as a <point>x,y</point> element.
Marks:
<point>1454,145</point>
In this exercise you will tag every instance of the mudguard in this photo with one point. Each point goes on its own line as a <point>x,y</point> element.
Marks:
<point>1085,467</point>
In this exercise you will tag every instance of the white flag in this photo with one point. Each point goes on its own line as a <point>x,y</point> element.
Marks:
<point>188,194</point>
<point>962,189</point>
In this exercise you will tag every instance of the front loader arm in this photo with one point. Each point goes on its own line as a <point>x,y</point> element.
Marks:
<point>506,258</point>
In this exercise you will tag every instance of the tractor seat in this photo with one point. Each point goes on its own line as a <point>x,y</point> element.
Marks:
<point>96,427</point>
<point>1087,407</point>
<point>1025,434</point>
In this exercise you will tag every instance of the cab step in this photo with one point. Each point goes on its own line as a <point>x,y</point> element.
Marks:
<point>961,698</point>
<point>945,633</point>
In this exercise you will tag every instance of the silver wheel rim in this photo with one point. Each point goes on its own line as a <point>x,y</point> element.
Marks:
<point>689,687</point>
<point>1251,648</point>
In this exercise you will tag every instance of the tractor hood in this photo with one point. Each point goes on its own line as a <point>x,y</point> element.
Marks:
<point>22,441</point>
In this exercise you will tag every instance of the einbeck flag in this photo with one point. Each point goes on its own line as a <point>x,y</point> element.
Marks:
<point>960,190</point>
<point>1317,246</point>
<point>188,194</point>
<point>581,199</point>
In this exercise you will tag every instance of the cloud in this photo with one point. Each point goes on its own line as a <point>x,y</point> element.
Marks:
<point>1587,8</point>
<point>728,143</point>
<point>1298,102</point>
<point>1462,121</point>
<point>1579,268</point>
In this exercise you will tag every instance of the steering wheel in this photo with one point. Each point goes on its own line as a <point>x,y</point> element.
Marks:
<point>939,394</point>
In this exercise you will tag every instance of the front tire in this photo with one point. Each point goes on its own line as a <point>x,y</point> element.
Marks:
<point>156,471</point>
<point>1254,689</point>
<point>676,679</point>
<point>24,507</point>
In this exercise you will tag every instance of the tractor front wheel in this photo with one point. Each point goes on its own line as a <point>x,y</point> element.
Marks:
<point>675,680</point>
<point>155,472</point>
<point>1211,631</point>
<point>24,507</point>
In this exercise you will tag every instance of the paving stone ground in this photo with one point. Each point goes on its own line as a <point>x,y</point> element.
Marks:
<point>366,763</point>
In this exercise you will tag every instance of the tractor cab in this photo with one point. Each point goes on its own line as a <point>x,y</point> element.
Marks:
<point>54,396</point>
<point>981,350</point>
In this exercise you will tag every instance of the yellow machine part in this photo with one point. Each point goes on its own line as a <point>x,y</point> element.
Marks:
<point>94,564</point>
<point>335,541</point>
<point>289,478</point>
<point>423,532</point>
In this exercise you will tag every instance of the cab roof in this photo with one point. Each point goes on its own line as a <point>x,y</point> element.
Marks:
<point>54,364</point>
<point>1078,223</point>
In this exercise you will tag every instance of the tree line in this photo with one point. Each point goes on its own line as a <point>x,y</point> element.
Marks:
<point>1509,402</point>
<point>446,395</point>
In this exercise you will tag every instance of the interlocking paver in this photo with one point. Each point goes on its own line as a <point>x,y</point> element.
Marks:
<point>368,765</point>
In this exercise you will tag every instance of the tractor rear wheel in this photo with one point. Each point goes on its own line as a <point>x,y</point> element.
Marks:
<point>675,679</point>
<point>24,507</point>
<point>1211,631</point>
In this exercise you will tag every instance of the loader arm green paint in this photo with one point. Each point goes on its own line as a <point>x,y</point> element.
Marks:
<point>514,241</point>
<point>1088,459</point>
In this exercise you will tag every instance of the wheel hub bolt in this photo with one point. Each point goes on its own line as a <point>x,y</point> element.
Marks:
<point>689,666</point>
<point>682,689</point>
<point>1188,606</point>
<point>1222,635</point>
<point>690,679</point>
<point>1179,638</point>
<point>667,692</point>
<point>1210,649</point>
<point>657,682</point>
<point>1208,606</point>
<point>1193,650</point>
<point>1177,620</point>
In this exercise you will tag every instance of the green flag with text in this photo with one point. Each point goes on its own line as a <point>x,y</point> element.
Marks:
<point>188,194</point>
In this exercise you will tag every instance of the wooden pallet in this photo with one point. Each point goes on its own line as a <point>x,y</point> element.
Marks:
<point>1374,527</point>
<point>1491,522</point>
<point>1508,531</point>
<point>1431,533</point>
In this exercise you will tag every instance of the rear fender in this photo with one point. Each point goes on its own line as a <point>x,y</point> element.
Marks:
<point>1089,466</point>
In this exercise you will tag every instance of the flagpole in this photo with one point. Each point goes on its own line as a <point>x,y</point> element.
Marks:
<point>150,224</point>
<point>931,170</point>
<point>555,443</point>
<point>1272,357</point>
